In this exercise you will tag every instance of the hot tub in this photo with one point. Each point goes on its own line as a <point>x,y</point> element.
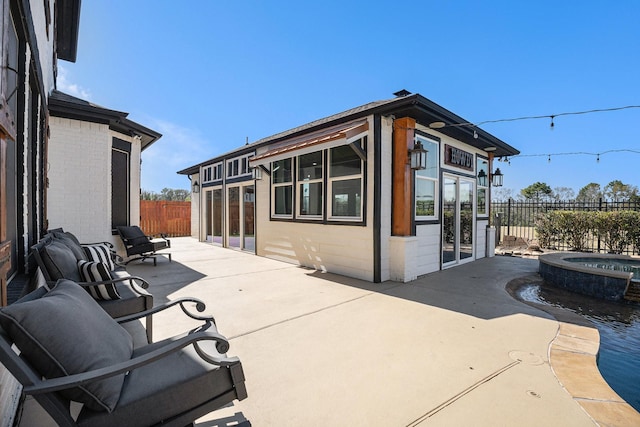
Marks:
<point>577,272</point>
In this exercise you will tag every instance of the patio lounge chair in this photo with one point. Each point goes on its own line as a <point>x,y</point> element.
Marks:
<point>138,243</point>
<point>86,356</point>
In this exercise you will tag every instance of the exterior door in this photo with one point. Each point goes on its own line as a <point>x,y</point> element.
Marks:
<point>233,230</point>
<point>458,220</point>
<point>213,216</point>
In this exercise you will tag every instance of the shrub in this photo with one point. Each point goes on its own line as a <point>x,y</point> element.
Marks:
<point>546,229</point>
<point>573,227</point>
<point>618,229</point>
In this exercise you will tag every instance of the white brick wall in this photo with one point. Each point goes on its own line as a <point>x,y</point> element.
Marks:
<point>79,172</point>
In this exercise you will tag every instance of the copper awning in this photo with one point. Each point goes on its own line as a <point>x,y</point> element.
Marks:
<point>334,137</point>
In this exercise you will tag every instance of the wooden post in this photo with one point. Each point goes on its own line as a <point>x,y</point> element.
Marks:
<point>402,194</point>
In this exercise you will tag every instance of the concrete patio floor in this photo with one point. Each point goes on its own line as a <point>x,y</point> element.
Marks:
<point>318,349</point>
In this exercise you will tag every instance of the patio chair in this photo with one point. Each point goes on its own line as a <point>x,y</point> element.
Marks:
<point>86,356</point>
<point>116,291</point>
<point>138,243</point>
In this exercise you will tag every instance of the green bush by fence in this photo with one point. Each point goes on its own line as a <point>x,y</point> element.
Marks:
<point>618,230</point>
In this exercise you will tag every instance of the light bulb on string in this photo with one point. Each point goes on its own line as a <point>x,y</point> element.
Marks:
<point>552,126</point>
<point>598,158</point>
<point>475,134</point>
<point>549,158</point>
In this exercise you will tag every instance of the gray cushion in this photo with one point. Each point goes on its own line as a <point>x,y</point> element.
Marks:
<point>129,302</point>
<point>60,261</point>
<point>155,392</point>
<point>65,332</point>
<point>70,241</point>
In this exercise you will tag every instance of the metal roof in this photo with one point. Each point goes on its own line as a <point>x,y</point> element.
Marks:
<point>423,110</point>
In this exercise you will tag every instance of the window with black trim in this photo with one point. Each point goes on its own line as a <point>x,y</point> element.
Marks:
<point>238,166</point>
<point>329,185</point>
<point>282,188</point>
<point>310,185</point>
<point>345,184</point>
<point>426,185</point>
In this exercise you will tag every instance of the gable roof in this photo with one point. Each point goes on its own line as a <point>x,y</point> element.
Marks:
<point>417,106</point>
<point>68,106</point>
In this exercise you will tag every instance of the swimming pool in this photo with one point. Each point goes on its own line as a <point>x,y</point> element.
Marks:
<point>619,327</point>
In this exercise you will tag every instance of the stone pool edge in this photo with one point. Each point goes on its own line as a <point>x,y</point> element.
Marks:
<point>573,360</point>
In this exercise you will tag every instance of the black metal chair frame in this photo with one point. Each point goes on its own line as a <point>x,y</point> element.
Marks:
<point>136,242</point>
<point>45,390</point>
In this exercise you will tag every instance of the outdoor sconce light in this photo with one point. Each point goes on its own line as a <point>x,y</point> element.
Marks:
<point>482,178</point>
<point>196,187</point>
<point>496,179</point>
<point>418,156</point>
<point>256,172</point>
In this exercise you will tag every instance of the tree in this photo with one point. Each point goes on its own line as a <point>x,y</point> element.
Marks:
<point>501,194</point>
<point>537,191</point>
<point>563,193</point>
<point>590,193</point>
<point>619,192</point>
<point>168,194</point>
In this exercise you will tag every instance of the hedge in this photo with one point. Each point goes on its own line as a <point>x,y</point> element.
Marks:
<point>617,229</point>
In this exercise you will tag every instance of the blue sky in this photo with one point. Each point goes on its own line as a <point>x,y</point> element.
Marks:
<point>210,74</point>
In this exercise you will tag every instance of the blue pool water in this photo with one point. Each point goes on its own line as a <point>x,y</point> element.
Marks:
<point>615,264</point>
<point>619,327</point>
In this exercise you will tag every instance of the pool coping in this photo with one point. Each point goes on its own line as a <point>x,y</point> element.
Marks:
<point>572,357</point>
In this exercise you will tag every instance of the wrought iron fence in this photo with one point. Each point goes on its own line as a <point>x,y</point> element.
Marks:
<point>517,218</point>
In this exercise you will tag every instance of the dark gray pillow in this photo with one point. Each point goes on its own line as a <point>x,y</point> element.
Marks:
<point>66,332</point>
<point>60,261</point>
<point>70,241</point>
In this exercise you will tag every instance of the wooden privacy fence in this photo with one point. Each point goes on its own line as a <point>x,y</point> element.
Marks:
<point>162,216</point>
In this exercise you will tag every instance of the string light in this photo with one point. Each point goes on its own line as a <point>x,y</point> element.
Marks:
<point>439,125</point>
<point>575,153</point>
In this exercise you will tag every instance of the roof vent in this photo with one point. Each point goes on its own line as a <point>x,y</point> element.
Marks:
<point>402,93</point>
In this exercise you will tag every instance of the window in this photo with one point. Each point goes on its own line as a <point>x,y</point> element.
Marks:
<point>345,184</point>
<point>482,181</point>
<point>217,172</point>
<point>232,168</point>
<point>282,188</point>
<point>120,169</point>
<point>206,174</point>
<point>238,166</point>
<point>426,186</point>
<point>324,185</point>
<point>310,185</point>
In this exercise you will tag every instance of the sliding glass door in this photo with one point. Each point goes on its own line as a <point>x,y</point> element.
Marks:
<point>457,220</point>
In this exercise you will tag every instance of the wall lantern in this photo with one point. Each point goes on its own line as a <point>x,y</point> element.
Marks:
<point>482,178</point>
<point>496,179</point>
<point>196,187</point>
<point>256,171</point>
<point>418,156</point>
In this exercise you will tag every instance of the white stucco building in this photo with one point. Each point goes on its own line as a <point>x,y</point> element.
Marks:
<point>339,194</point>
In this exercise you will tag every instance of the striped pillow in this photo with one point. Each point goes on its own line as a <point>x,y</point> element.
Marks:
<point>99,253</point>
<point>97,272</point>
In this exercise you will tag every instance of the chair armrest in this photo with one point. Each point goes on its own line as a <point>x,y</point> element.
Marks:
<point>134,282</point>
<point>62,383</point>
<point>200,307</point>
